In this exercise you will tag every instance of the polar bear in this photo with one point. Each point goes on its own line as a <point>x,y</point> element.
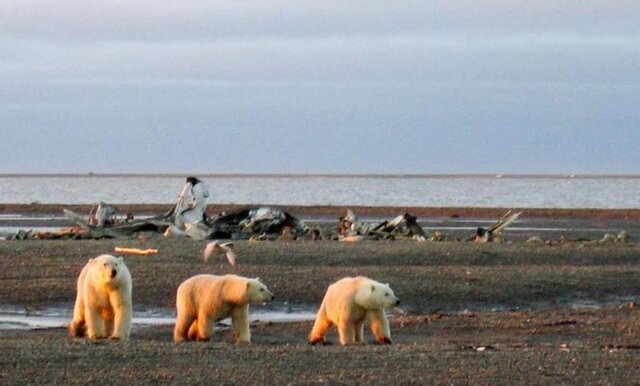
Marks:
<point>347,303</point>
<point>203,300</point>
<point>103,306</point>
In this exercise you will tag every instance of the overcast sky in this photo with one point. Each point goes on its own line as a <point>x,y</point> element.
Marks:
<point>538,86</point>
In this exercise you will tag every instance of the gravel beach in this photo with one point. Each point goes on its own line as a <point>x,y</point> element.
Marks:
<point>510,313</point>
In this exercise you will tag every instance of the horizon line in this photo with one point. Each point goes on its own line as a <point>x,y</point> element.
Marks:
<point>328,175</point>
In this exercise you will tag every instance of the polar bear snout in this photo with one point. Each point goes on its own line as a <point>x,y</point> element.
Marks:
<point>113,273</point>
<point>397,302</point>
<point>268,297</point>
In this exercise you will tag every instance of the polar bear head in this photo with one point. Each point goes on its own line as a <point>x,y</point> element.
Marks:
<point>373,295</point>
<point>258,292</point>
<point>108,269</point>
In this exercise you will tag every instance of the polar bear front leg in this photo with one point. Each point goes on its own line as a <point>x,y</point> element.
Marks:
<point>379,326</point>
<point>96,328</point>
<point>122,316</point>
<point>240,321</point>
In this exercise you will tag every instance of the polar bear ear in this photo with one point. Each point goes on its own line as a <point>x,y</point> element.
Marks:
<point>119,259</point>
<point>90,260</point>
<point>387,284</point>
<point>256,278</point>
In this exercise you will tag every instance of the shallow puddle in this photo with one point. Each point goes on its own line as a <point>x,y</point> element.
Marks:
<point>19,318</point>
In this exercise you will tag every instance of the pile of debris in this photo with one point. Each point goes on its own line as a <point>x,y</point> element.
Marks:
<point>402,226</point>
<point>254,223</point>
<point>406,226</point>
<point>494,232</point>
<point>242,224</point>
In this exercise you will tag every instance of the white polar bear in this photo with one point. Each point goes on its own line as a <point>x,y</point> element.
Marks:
<point>347,303</point>
<point>203,300</point>
<point>103,306</point>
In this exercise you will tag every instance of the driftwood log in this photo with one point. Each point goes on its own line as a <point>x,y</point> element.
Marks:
<point>123,229</point>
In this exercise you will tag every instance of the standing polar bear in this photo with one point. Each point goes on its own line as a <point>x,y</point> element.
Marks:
<point>203,300</point>
<point>347,303</point>
<point>103,306</point>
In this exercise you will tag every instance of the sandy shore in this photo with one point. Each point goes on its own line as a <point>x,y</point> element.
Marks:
<point>472,314</point>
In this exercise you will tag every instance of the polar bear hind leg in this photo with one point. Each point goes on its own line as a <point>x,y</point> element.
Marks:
<point>320,327</point>
<point>184,325</point>
<point>206,326</point>
<point>78,326</point>
<point>193,331</point>
<point>347,332</point>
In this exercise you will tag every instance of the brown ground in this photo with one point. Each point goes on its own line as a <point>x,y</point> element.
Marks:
<point>518,327</point>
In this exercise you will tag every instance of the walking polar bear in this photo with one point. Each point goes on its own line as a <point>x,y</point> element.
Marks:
<point>203,300</point>
<point>103,305</point>
<point>347,303</point>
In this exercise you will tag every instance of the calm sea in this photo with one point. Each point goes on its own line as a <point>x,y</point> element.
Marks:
<point>428,191</point>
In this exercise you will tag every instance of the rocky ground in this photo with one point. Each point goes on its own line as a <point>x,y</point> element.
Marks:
<point>471,314</point>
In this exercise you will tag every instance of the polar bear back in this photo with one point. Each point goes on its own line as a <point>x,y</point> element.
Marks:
<point>340,298</point>
<point>216,295</point>
<point>206,293</point>
<point>353,296</point>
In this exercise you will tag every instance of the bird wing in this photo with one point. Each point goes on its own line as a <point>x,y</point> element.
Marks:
<point>229,253</point>
<point>210,249</point>
<point>231,257</point>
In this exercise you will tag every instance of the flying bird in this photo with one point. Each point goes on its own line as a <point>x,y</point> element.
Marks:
<point>218,247</point>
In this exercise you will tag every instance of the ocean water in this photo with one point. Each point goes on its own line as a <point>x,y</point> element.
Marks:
<point>426,191</point>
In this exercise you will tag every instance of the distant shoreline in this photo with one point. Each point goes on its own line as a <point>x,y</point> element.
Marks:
<point>335,211</point>
<point>323,175</point>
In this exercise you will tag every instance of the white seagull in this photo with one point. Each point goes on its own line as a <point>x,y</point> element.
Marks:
<point>218,247</point>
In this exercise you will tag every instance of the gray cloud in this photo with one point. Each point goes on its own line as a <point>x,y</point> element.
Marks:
<point>72,20</point>
<point>367,86</point>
